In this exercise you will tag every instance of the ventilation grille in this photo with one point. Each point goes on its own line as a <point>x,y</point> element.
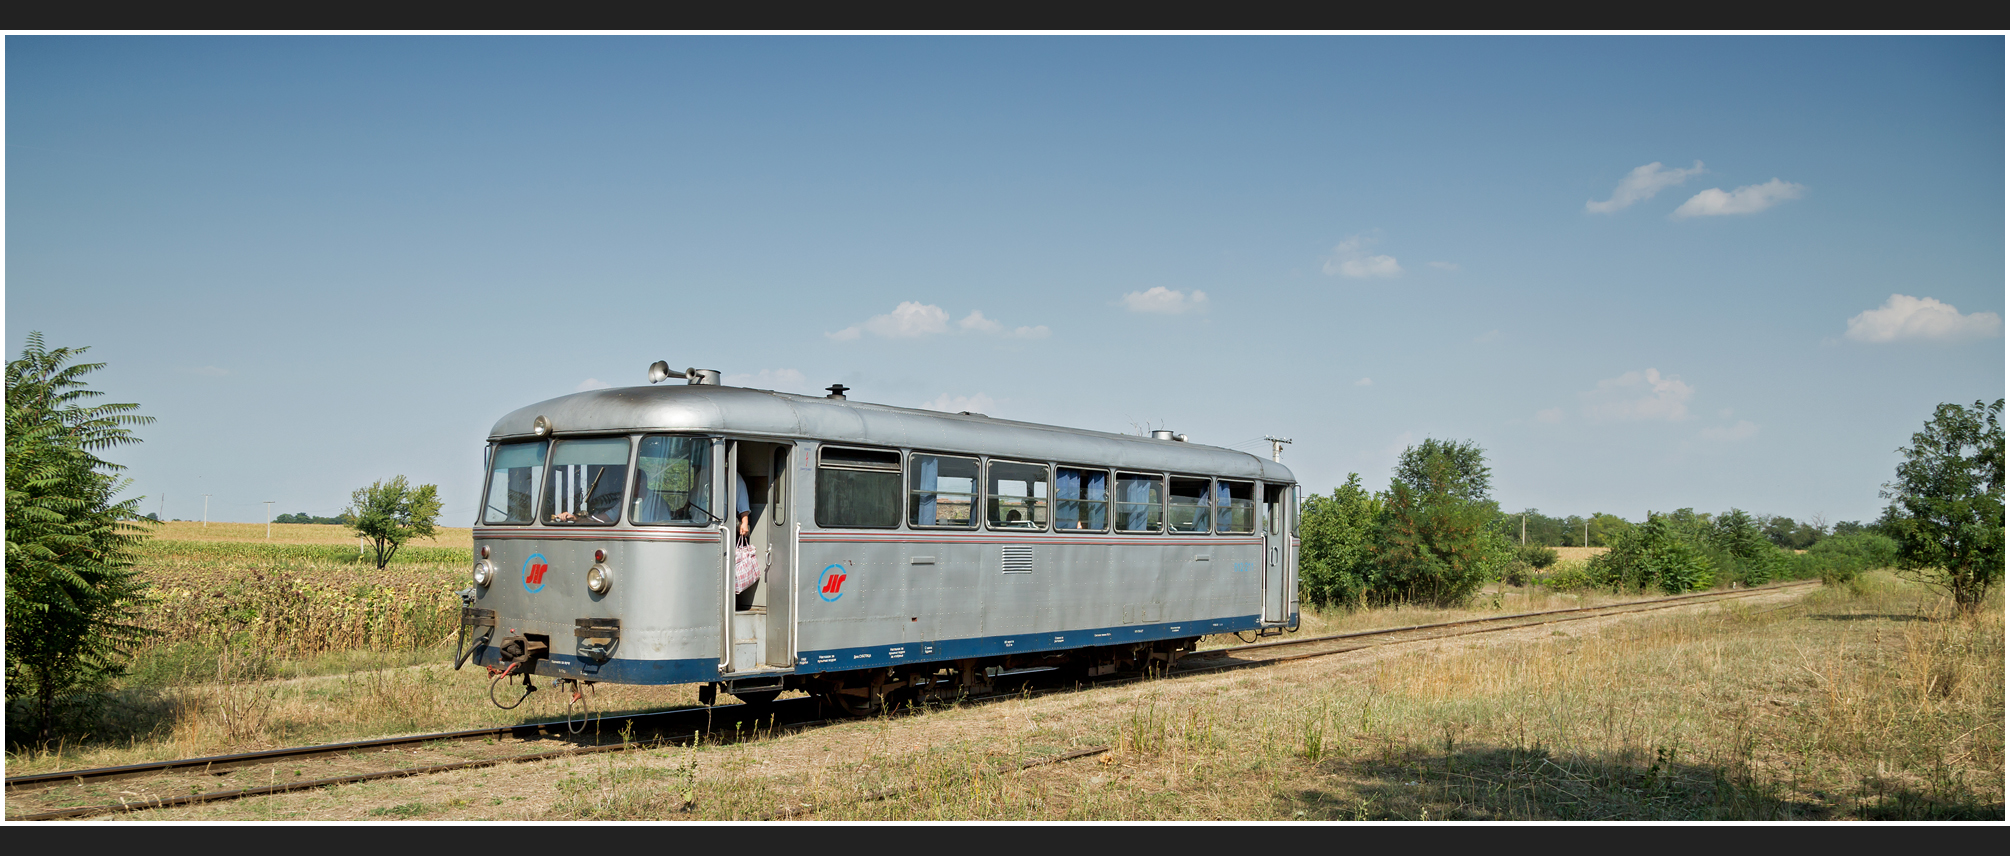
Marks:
<point>1016,560</point>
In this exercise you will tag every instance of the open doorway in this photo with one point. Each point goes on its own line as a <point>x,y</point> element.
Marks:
<point>760,613</point>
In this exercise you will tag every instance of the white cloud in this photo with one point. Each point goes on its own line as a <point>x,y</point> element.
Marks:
<point>1164,301</point>
<point>1362,268</point>
<point>976,322</point>
<point>590,384</point>
<point>1551,416</point>
<point>1740,431</point>
<point>1443,265</point>
<point>1750,199</point>
<point>1641,184</point>
<point>910,320</point>
<point>1907,317</point>
<point>786,380</point>
<point>1635,396</point>
<point>1364,382</point>
<point>1350,258</point>
<point>979,403</point>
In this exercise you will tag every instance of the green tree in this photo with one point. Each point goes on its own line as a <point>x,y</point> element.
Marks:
<point>1336,532</point>
<point>1666,552</point>
<point>1747,555</point>
<point>1607,530</point>
<point>389,513</point>
<point>1455,469</point>
<point>1437,538</point>
<point>1946,509</point>
<point>72,593</point>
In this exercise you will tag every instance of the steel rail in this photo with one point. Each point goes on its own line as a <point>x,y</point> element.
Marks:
<point>1602,611</point>
<point>534,729</point>
<point>212,762</point>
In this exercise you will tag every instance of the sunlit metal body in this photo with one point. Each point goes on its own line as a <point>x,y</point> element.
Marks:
<point>905,597</point>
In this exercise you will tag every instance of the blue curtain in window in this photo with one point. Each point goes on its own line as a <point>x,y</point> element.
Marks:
<point>926,468</point>
<point>1222,511</point>
<point>1067,493</point>
<point>1096,491</point>
<point>1140,492</point>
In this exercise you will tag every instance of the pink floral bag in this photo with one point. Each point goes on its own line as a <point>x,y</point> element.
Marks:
<point>746,567</point>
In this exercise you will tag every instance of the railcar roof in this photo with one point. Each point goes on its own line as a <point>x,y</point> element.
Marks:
<point>737,410</point>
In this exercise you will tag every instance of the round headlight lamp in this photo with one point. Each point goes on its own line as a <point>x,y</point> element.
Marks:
<point>485,573</point>
<point>599,579</point>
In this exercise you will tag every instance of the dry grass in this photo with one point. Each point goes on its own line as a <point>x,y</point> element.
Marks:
<point>1579,554</point>
<point>1871,702</point>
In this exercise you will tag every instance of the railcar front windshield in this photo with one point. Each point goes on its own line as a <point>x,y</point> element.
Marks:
<point>513,478</point>
<point>673,481</point>
<point>587,477</point>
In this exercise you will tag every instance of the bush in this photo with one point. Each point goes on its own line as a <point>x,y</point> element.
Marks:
<point>1567,575</point>
<point>1841,559</point>
<point>1535,556</point>
<point>1665,553</point>
<point>1333,553</point>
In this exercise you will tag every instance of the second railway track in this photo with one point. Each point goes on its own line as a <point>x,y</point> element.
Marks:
<point>192,781</point>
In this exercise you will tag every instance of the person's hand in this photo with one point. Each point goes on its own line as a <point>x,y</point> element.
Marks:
<point>744,528</point>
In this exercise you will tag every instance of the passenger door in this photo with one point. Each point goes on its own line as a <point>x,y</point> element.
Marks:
<point>1276,546</point>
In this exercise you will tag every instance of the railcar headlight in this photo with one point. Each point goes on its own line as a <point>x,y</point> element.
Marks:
<point>599,579</point>
<point>485,573</point>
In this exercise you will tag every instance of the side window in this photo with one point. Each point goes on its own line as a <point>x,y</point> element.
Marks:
<point>1140,502</point>
<point>587,477</point>
<point>942,490</point>
<point>1274,502</point>
<point>1234,507</point>
<point>1188,509</point>
<point>858,488</point>
<point>1081,499</point>
<point>1017,495</point>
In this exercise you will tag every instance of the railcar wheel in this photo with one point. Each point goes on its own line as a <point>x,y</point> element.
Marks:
<point>858,700</point>
<point>854,705</point>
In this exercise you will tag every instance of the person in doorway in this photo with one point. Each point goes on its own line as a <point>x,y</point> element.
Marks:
<point>743,509</point>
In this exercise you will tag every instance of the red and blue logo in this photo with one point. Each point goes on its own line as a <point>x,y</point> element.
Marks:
<point>830,586</point>
<point>535,566</point>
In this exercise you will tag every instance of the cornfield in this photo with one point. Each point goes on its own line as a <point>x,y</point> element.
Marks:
<point>300,600</point>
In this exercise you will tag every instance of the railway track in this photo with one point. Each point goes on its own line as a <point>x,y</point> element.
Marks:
<point>191,781</point>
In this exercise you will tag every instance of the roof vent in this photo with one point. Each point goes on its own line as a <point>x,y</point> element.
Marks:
<point>1163,435</point>
<point>837,391</point>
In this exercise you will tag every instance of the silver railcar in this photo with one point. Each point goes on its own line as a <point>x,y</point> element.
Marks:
<point>896,553</point>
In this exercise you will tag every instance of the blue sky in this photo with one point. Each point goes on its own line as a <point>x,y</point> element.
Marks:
<point>1641,272</point>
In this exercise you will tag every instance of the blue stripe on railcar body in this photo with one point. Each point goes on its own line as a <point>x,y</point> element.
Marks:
<point>873,656</point>
<point>617,670</point>
<point>703,670</point>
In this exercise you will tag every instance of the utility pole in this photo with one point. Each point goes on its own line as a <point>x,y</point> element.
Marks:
<point>268,519</point>
<point>205,511</point>
<point>1524,528</point>
<point>1277,447</point>
<point>1587,531</point>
